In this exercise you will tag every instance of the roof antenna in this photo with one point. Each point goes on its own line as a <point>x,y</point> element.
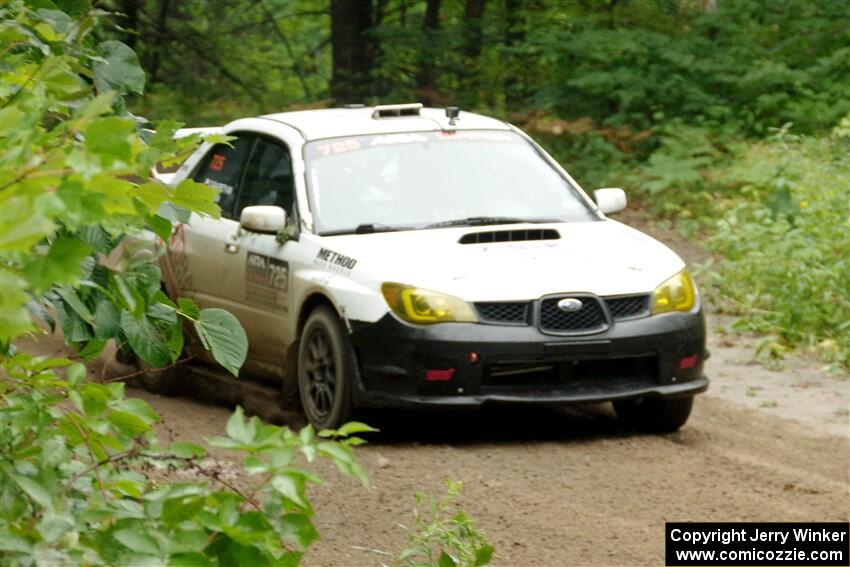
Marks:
<point>452,113</point>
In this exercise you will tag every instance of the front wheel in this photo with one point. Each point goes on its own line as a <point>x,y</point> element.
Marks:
<point>656,415</point>
<point>325,370</point>
<point>164,381</point>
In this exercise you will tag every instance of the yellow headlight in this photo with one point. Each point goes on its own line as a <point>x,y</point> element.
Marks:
<point>426,307</point>
<point>676,294</point>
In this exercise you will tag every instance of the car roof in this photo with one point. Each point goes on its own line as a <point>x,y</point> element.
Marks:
<point>338,122</point>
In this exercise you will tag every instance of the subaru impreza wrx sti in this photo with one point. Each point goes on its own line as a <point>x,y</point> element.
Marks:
<point>401,256</point>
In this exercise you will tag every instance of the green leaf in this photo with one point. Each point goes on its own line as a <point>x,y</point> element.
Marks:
<point>74,302</point>
<point>221,334</point>
<point>190,560</point>
<point>188,308</point>
<point>136,540</point>
<point>255,465</point>
<point>90,349</point>
<point>61,264</point>
<point>160,226</point>
<point>146,340</point>
<point>58,20</point>
<point>22,224</point>
<point>14,317</point>
<point>131,298</point>
<point>353,427</point>
<point>39,311</point>
<point>292,487</point>
<point>73,327</point>
<point>97,238</point>
<point>75,373</point>
<point>138,407</point>
<point>219,139</point>
<point>196,197</point>
<point>119,70</point>
<point>97,106</point>
<point>12,542</point>
<point>34,490</point>
<point>52,527</point>
<point>237,427</point>
<point>176,342</point>
<point>107,320</point>
<point>298,529</point>
<point>153,195</point>
<point>127,423</point>
<point>110,139</point>
<point>446,560</point>
<point>484,555</point>
<point>95,399</point>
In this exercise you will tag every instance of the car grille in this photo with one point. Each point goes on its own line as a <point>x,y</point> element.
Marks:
<point>628,306</point>
<point>589,318</point>
<point>506,313</point>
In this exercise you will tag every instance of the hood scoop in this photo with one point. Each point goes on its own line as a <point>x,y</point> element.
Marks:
<point>509,236</point>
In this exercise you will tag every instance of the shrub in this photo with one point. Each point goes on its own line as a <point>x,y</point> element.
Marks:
<point>785,242</point>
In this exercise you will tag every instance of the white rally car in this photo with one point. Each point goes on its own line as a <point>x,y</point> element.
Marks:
<point>400,256</point>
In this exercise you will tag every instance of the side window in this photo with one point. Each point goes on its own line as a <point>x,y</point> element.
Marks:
<point>268,178</point>
<point>222,168</point>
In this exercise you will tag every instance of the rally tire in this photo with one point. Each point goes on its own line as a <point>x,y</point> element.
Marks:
<point>164,381</point>
<point>325,370</point>
<point>656,415</point>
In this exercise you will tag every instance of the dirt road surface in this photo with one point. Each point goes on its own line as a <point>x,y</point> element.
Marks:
<point>574,487</point>
<point>568,488</point>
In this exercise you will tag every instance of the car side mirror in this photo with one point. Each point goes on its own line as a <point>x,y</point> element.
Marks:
<point>265,219</point>
<point>610,200</point>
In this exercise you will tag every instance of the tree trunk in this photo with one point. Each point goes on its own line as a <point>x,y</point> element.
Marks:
<point>514,35</point>
<point>352,50</point>
<point>473,14</point>
<point>130,9</point>
<point>426,78</point>
<point>473,38</point>
<point>161,23</point>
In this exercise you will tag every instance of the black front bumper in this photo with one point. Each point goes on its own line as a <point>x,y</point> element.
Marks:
<point>660,355</point>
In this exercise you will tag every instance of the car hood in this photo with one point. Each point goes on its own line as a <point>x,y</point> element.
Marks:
<point>601,257</point>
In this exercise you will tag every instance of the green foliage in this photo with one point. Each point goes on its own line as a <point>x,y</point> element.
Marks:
<point>754,64</point>
<point>443,535</point>
<point>785,242</point>
<point>83,480</point>
<point>776,214</point>
<point>69,154</point>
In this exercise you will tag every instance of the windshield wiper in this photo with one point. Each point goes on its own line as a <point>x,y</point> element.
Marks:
<point>482,221</point>
<point>367,228</point>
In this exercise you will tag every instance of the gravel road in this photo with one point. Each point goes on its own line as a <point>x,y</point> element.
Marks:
<point>568,487</point>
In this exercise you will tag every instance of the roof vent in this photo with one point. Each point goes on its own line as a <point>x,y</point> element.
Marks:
<point>509,236</point>
<point>396,110</point>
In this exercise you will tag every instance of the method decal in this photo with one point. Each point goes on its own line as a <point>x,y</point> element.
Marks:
<point>334,261</point>
<point>267,281</point>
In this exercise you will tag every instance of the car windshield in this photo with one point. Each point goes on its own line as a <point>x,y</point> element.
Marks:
<point>429,179</point>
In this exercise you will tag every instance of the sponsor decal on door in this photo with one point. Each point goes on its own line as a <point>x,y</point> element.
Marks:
<point>267,282</point>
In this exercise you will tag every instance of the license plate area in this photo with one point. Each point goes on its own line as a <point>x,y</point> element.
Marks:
<point>534,374</point>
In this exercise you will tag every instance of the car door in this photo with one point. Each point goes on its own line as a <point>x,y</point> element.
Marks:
<point>256,285</point>
<point>197,248</point>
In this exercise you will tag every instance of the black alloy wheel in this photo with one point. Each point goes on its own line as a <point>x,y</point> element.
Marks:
<point>325,370</point>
